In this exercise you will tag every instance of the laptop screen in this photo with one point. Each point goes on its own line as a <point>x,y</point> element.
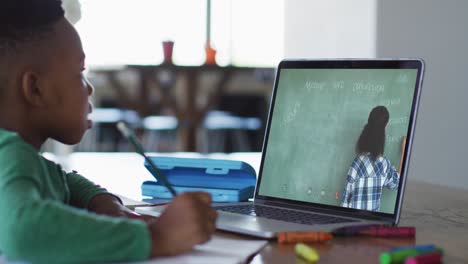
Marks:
<point>337,133</point>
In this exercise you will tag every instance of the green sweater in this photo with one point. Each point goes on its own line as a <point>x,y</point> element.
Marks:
<point>43,216</point>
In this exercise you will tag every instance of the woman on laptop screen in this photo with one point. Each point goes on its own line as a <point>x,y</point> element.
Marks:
<point>371,171</point>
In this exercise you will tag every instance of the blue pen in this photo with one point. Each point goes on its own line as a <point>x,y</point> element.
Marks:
<point>139,149</point>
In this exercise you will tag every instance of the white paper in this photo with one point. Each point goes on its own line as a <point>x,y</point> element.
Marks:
<point>217,250</point>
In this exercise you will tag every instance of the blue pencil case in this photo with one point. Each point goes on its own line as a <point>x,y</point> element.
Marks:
<point>225,180</point>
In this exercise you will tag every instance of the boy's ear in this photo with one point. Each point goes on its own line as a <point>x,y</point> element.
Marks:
<point>32,92</point>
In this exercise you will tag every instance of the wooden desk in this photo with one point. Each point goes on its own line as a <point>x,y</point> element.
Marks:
<point>164,77</point>
<point>440,214</point>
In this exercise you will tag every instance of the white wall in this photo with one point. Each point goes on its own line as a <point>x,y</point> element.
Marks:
<point>329,28</point>
<point>431,29</point>
<point>437,32</point>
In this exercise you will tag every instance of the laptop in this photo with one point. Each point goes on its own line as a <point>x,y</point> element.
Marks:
<point>313,175</point>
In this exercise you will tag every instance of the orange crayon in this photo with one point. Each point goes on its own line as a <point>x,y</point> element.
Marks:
<point>305,237</point>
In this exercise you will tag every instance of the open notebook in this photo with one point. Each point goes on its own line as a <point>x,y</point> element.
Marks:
<point>218,250</point>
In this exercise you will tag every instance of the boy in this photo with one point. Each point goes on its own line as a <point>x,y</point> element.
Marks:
<point>43,94</point>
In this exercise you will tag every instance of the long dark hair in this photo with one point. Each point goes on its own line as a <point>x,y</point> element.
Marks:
<point>372,138</point>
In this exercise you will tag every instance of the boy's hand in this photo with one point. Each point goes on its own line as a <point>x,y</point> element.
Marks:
<point>187,221</point>
<point>109,205</point>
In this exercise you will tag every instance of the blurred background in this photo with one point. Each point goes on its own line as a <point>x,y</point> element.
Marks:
<point>208,90</point>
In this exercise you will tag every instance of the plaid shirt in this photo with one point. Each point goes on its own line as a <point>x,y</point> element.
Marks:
<point>366,178</point>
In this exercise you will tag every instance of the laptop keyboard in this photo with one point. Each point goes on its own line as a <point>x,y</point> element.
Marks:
<point>283,214</point>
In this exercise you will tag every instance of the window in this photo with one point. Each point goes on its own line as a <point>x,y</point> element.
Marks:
<point>245,33</point>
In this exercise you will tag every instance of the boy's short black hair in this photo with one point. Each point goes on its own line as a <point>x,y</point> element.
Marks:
<point>26,20</point>
<point>22,23</point>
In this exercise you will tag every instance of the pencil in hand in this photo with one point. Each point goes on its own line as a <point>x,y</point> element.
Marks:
<point>159,175</point>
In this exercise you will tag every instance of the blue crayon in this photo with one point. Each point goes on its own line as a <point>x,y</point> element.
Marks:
<point>423,248</point>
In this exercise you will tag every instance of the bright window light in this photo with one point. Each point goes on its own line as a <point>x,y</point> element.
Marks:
<point>243,32</point>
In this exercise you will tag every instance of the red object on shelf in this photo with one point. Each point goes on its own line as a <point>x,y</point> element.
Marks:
<point>168,47</point>
<point>210,55</point>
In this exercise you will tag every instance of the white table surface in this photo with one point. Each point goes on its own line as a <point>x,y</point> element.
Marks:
<point>123,173</point>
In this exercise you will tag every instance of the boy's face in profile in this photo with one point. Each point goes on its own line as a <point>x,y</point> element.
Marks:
<point>67,90</point>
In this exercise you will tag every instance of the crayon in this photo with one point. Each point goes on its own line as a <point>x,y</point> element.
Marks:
<point>418,247</point>
<point>430,258</point>
<point>400,255</point>
<point>306,237</point>
<point>352,230</point>
<point>306,252</point>
<point>389,231</point>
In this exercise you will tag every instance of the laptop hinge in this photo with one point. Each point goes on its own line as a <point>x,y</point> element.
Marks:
<point>361,215</point>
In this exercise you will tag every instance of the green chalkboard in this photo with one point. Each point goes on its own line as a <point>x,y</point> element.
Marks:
<point>317,119</point>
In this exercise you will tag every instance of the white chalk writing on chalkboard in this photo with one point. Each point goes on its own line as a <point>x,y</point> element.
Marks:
<point>368,88</point>
<point>292,115</point>
<point>402,78</point>
<point>398,120</point>
<point>319,86</point>
<point>314,85</point>
<point>391,102</point>
<point>338,85</point>
<point>391,139</point>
